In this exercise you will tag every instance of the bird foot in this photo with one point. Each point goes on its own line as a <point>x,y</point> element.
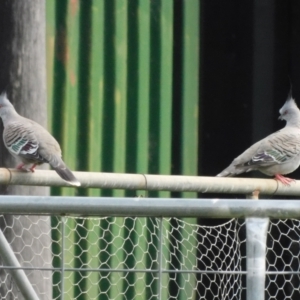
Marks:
<point>284,180</point>
<point>22,167</point>
<point>32,169</point>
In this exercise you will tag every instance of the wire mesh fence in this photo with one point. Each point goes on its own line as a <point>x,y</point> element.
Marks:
<point>147,257</point>
<point>137,258</point>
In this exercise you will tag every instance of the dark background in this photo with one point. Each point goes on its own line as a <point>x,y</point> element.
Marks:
<point>250,50</point>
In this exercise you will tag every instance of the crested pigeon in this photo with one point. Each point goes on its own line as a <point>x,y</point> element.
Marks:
<point>277,154</point>
<point>31,143</point>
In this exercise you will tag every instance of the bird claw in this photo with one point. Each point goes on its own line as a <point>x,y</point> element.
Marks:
<point>22,167</point>
<point>284,180</point>
<point>32,169</point>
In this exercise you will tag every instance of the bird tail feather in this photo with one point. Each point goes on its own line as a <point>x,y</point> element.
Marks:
<point>232,171</point>
<point>67,175</point>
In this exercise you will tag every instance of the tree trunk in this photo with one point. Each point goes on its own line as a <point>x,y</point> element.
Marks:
<point>23,76</point>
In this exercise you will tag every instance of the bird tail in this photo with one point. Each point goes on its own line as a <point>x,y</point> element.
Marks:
<point>67,175</point>
<point>62,170</point>
<point>233,170</point>
<point>225,173</point>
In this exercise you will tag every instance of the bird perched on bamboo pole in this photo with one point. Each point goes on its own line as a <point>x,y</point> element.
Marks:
<point>31,143</point>
<point>277,154</point>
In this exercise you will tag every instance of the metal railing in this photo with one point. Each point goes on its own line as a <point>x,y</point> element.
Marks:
<point>154,182</point>
<point>256,213</point>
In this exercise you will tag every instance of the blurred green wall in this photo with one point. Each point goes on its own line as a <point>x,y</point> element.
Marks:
<point>123,94</point>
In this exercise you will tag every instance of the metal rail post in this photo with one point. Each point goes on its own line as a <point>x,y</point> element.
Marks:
<point>18,275</point>
<point>256,229</point>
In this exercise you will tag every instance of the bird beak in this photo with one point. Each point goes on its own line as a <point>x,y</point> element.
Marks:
<point>280,118</point>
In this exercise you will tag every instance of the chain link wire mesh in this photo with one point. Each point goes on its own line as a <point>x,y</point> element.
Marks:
<point>152,258</point>
<point>283,256</point>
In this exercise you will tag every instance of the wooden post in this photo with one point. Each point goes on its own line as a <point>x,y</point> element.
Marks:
<point>22,75</point>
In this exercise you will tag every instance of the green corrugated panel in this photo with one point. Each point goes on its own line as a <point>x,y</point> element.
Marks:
<point>112,111</point>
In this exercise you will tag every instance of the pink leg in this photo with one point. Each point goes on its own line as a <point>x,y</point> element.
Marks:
<point>20,166</point>
<point>284,180</point>
<point>32,168</point>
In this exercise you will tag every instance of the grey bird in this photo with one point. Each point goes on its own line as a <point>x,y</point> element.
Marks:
<point>31,143</point>
<point>277,154</point>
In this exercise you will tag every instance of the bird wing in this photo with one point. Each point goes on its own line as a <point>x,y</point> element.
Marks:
<point>21,141</point>
<point>277,148</point>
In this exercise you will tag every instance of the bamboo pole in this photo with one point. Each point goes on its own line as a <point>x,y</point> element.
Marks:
<point>153,182</point>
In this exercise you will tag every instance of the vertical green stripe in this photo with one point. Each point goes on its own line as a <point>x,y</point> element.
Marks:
<point>166,99</point>
<point>165,110</point>
<point>155,69</point>
<point>60,74</point>
<point>69,114</point>
<point>70,111</point>
<point>96,128</point>
<point>154,138</point>
<point>166,75</point>
<point>80,284</point>
<point>143,128</point>
<point>105,258</point>
<point>50,56</point>
<point>120,127</point>
<point>84,77</point>
<point>190,87</point>
<point>50,52</point>
<point>120,90</point>
<point>108,88</point>
<point>81,243</point>
<point>132,87</point>
<point>107,137</point>
<point>56,253</point>
<point>130,238</point>
<point>190,108</point>
<point>59,78</point>
<point>143,86</point>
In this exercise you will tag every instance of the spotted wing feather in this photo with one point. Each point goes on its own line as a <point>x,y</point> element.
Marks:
<point>22,142</point>
<point>278,148</point>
